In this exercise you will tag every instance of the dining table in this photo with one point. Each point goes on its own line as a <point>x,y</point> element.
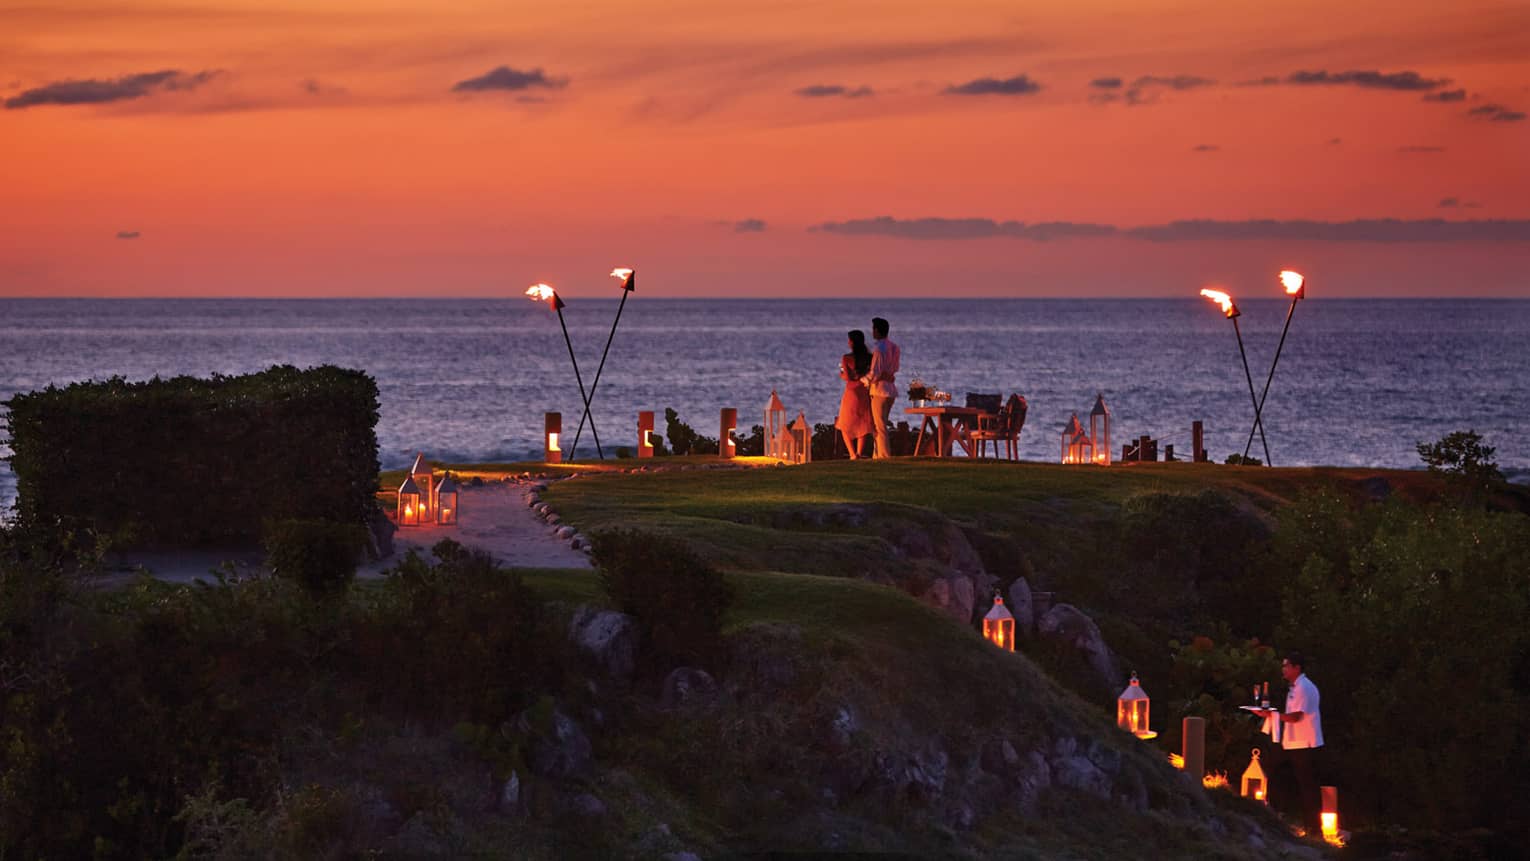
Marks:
<point>945,427</point>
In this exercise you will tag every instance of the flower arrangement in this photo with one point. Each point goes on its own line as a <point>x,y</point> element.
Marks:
<point>917,391</point>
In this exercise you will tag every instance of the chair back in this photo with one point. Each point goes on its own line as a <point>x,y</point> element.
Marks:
<point>987,403</point>
<point>1016,408</point>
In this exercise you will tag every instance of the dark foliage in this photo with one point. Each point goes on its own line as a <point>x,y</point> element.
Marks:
<point>318,554</point>
<point>1465,460</point>
<point>677,598</point>
<point>191,461</point>
<point>683,439</point>
<point>115,708</point>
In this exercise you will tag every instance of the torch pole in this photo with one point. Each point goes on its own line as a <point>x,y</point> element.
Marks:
<point>1259,410</point>
<point>1252,399</point>
<point>580,379</point>
<point>596,384</point>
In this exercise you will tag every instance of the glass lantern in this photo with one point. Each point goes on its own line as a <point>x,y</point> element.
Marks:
<point>1132,710</point>
<point>409,508</point>
<point>446,502</point>
<point>1255,785</point>
<point>775,428</point>
<point>425,480</point>
<point>1099,430</point>
<point>1076,447</point>
<point>999,625</point>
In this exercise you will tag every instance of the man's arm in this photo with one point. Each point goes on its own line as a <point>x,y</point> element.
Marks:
<point>875,372</point>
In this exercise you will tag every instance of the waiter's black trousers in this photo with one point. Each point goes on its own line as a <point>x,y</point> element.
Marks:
<point>1309,796</point>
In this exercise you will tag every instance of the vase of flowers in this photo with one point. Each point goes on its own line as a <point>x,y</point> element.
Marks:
<point>918,392</point>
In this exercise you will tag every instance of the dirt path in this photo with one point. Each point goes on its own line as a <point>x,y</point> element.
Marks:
<point>494,517</point>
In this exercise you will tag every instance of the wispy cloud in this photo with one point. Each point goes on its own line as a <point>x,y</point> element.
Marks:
<point>1365,78</point>
<point>828,91</point>
<point>1106,83</point>
<point>1019,85</point>
<point>1496,114</point>
<point>1383,230</point>
<point>127,234</point>
<point>1448,202</point>
<point>1206,148</point>
<point>90,91</point>
<point>749,225</point>
<point>506,78</point>
<point>1145,89</point>
<point>1446,96</point>
<point>1420,148</point>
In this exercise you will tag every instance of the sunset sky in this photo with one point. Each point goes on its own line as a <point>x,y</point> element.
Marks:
<point>971,147</point>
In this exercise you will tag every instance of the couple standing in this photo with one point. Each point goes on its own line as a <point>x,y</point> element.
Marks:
<point>870,377</point>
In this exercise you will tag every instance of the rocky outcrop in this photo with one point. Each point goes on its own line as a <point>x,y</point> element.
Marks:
<point>1067,626</point>
<point>1022,607</point>
<point>688,688</point>
<point>557,747</point>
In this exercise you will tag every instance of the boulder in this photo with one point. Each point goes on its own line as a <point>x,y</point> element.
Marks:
<point>380,531</point>
<point>585,806</point>
<point>1079,773</point>
<point>608,638</point>
<point>558,749</point>
<point>999,757</point>
<point>565,532</point>
<point>1019,603</point>
<point>954,595</point>
<point>688,688</point>
<point>1068,626</point>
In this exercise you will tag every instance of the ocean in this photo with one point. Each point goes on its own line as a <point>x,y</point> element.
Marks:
<point>1360,382</point>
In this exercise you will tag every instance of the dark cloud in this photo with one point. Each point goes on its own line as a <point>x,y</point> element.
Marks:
<point>825,91</point>
<point>127,234</point>
<point>1448,202</point>
<point>1367,78</point>
<point>1020,85</point>
<point>1359,230</point>
<point>1446,96</point>
<point>506,78</point>
<point>1144,89</point>
<point>94,92</point>
<point>1335,141</point>
<point>1416,148</point>
<point>1106,83</point>
<point>961,228</point>
<point>1205,148</point>
<point>749,225</point>
<point>1496,113</point>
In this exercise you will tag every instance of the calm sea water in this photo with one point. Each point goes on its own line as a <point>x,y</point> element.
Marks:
<point>1359,383</point>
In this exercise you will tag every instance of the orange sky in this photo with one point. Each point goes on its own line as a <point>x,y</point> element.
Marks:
<point>327,153</point>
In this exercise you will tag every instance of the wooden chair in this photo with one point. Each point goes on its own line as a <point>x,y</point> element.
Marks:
<point>1002,426</point>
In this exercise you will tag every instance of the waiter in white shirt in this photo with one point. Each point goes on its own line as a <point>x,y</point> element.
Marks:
<point>881,380</point>
<point>1301,736</point>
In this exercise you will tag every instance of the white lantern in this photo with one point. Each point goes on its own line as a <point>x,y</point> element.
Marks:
<point>425,480</point>
<point>1076,446</point>
<point>1099,430</point>
<point>999,625</point>
<point>1255,785</point>
<point>446,502</point>
<point>1132,710</point>
<point>409,503</point>
<point>775,428</point>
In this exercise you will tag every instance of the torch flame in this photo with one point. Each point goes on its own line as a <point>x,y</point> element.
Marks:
<point>1217,296</point>
<point>540,292</point>
<point>1292,281</point>
<point>621,273</point>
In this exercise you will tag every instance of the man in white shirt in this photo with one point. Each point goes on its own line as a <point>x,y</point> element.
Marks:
<point>1301,726</point>
<point>881,381</point>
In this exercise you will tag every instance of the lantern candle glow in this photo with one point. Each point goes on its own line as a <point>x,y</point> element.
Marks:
<point>552,426</point>
<point>1329,816</point>
<point>1132,710</point>
<point>1255,785</point>
<point>999,625</point>
<point>446,502</point>
<point>409,503</point>
<point>775,427</point>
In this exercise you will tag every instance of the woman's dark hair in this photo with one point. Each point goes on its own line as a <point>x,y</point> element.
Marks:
<point>862,356</point>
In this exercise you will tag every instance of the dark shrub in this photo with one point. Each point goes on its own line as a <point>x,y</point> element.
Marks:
<point>683,439</point>
<point>677,598</point>
<point>194,461</point>
<point>320,555</point>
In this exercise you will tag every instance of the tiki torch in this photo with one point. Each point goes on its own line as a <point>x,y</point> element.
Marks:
<point>544,293</point>
<point>1296,288</point>
<point>629,283</point>
<point>1231,311</point>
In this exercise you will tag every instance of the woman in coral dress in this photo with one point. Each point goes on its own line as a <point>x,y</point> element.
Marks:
<point>854,421</point>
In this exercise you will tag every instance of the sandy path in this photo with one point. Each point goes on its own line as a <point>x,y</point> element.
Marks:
<point>494,518</point>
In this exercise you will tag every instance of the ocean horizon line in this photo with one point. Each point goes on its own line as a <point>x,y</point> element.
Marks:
<point>761,298</point>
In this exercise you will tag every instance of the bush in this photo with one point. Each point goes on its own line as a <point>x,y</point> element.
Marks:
<point>677,598</point>
<point>683,439</point>
<point>197,461</point>
<point>1463,457</point>
<point>318,554</point>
